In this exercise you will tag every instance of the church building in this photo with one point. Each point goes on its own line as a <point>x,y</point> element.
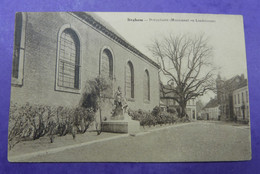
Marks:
<point>57,53</point>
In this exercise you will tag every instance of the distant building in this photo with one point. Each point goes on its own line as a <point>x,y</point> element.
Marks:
<point>191,109</point>
<point>241,101</point>
<point>211,111</point>
<point>167,100</point>
<point>225,89</point>
<point>199,107</point>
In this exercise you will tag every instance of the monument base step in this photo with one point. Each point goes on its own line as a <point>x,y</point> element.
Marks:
<point>121,126</point>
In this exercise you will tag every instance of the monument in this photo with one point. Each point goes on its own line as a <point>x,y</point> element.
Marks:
<point>120,121</point>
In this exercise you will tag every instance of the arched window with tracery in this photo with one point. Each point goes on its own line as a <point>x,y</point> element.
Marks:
<point>69,60</point>
<point>129,80</point>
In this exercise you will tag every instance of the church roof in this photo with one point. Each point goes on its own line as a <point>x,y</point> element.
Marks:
<point>103,26</point>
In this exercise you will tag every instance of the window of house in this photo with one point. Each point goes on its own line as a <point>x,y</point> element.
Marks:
<point>235,99</point>
<point>129,80</point>
<point>238,98</point>
<point>19,46</point>
<point>242,95</point>
<point>146,84</point>
<point>69,60</point>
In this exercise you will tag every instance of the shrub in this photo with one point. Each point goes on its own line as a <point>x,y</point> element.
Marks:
<point>156,111</point>
<point>26,122</point>
<point>34,121</point>
<point>157,116</point>
<point>83,118</point>
<point>64,120</point>
<point>183,119</point>
<point>171,110</point>
<point>168,118</point>
<point>163,117</point>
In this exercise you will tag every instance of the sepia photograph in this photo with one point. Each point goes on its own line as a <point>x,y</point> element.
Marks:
<point>128,87</point>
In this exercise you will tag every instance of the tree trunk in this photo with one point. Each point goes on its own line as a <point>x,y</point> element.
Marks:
<point>182,109</point>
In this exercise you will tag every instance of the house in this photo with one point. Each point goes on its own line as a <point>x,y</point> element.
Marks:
<point>56,54</point>
<point>225,89</point>
<point>167,99</point>
<point>241,101</point>
<point>199,107</point>
<point>191,109</point>
<point>211,111</point>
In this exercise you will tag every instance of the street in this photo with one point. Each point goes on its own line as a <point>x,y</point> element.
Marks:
<point>197,141</point>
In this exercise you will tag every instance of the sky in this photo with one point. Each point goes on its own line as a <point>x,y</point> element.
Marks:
<point>225,34</point>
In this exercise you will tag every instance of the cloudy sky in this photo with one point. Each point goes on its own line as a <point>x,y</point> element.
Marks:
<point>225,33</point>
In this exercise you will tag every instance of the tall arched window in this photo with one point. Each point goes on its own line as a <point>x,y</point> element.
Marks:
<point>17,44</point>
<point>129,80</point>
<point>106,71</point>
<point>146,90</point>
<point>19,48</point>
<point>107,64</point>
<point>69,60</point>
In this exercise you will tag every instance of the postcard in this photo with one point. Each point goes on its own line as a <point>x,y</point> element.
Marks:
<point>128,87</point>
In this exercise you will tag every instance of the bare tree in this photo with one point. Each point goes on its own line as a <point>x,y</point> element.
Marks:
<point>185,62</point>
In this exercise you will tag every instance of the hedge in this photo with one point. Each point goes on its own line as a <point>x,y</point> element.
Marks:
<point>157,116</point>
<point>34,121</point>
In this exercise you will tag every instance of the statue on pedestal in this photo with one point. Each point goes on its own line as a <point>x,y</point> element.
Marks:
<point>121,106</point>
<point>120,121</point>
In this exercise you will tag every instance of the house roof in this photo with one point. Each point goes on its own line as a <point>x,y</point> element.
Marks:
<point>242,84</point>
<point>103,26</point>
<point>234,83</point>
<point>212,103</point>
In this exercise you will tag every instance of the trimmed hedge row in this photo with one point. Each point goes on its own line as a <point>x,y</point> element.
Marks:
<point>34,121</point>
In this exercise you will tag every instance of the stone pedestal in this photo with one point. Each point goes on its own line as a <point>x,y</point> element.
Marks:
<point>122,124</point>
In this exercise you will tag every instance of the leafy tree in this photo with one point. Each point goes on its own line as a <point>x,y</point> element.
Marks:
<point>94,97</point>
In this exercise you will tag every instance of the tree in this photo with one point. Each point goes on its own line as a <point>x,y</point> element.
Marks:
<point>94,97</point>
<point>186,66</point>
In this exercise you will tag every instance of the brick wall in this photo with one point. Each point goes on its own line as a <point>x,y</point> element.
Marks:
<point>41,37</point>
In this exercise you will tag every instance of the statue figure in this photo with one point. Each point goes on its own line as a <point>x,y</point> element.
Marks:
<point>118,97</point>
<point>121,105</point>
